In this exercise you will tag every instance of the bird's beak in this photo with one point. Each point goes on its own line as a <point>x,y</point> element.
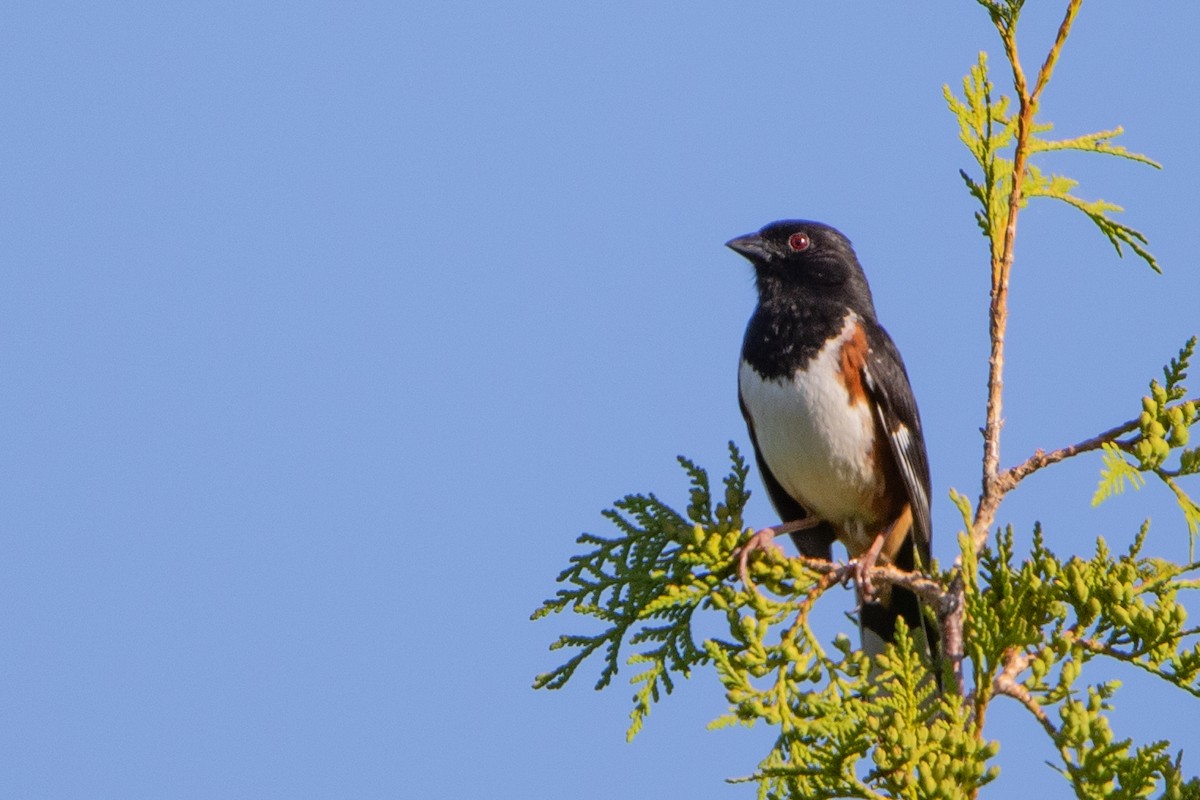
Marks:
<point>751,246</point>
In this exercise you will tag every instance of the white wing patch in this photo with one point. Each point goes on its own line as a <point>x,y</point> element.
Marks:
<point>902,451</point>
<point>903,441</point>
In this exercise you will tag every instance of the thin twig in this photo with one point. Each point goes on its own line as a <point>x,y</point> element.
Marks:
<point>1015,662</point>
<point>1040,459</point>
<point>943,599</point>
<point>1002,260</point>
<point>1009,479</point>
<point>994,485</point>
<point>946,601</point>
<point>918,583</point>
<point>1052,57</point>
<point>1099,648</point>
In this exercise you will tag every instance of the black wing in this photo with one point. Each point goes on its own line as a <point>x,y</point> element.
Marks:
<point>887,383</point>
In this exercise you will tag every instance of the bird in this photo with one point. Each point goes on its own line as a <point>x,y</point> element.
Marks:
<point>833,421</point>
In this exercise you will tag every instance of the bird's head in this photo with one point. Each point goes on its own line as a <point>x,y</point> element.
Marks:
<point>810,258</point>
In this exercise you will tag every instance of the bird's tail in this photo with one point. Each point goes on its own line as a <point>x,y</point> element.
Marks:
<point>877,624</point>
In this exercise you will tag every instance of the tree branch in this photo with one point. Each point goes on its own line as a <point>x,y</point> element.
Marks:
<point>1052,57</point>
<point>946,601</point>
<point>941,598</point>
<point>1040,459</point>
<point>918,583</point>
<point>1002,261</point>
<point>1101,649</point>
<point>1009,479</point>
<point>1015,662</point>
<point>993,483</point>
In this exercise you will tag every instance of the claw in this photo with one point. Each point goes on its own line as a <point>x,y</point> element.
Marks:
<point>863,566</point>
<point>761,540</point>
<point>765,540</point>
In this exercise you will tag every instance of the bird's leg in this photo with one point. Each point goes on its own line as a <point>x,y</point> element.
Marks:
<point>863,566</point>
<point>765,540</point>
<point>866,562</point>
<point>891,538</point>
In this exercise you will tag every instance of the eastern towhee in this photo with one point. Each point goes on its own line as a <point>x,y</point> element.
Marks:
<point>832,417</point>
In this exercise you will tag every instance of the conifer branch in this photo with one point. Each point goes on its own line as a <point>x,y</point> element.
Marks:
<point>1098,142</point>
<point>881,575</point>
<point>1025,181</point>
<point>1136,660</point>
<point>1064,30</point>
<point>1005,683</point>
<point>993,490</point>
<point>1041,459</point>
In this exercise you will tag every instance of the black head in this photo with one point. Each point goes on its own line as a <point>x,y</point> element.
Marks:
<point>795,256</point>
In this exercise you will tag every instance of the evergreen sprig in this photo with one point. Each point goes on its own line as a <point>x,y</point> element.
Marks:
<point>849,726</point>
<point>844,722</point>
<point>1163,428</point>
<point>1003,12</point>
<point>647,584</point>
<point>989,130</point>
<point>1047,619</point>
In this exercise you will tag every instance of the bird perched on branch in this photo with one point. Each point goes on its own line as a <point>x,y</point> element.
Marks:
<point>832,418</point>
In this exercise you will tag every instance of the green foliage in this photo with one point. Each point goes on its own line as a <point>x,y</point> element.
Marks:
<point>870,731</point>
<point>1163,428</point>
<point>932,745</point>
<point>989,130</point>
<point>664,567</point>
<point>1005,12</point>
<point>1125,607</point>
<point>1049,619</point>
<point>1115,473</point>
<point>850,727</point>
<point>847,727</point>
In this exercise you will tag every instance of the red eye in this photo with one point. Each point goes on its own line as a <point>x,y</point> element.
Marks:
<point>798,242</point>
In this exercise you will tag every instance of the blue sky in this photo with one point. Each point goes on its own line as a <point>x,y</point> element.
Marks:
<point>325,331</point>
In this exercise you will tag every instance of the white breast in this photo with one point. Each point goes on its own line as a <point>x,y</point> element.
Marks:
<point>816,443</point>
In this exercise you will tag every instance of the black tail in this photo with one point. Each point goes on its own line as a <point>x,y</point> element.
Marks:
<point>879,619</point>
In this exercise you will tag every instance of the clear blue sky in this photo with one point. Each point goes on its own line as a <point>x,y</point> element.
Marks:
<point>325,330</point>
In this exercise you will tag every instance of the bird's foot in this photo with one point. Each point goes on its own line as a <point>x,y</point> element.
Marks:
<point>862,569</point>
<point>761,540</point>
<point>765,540</point>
